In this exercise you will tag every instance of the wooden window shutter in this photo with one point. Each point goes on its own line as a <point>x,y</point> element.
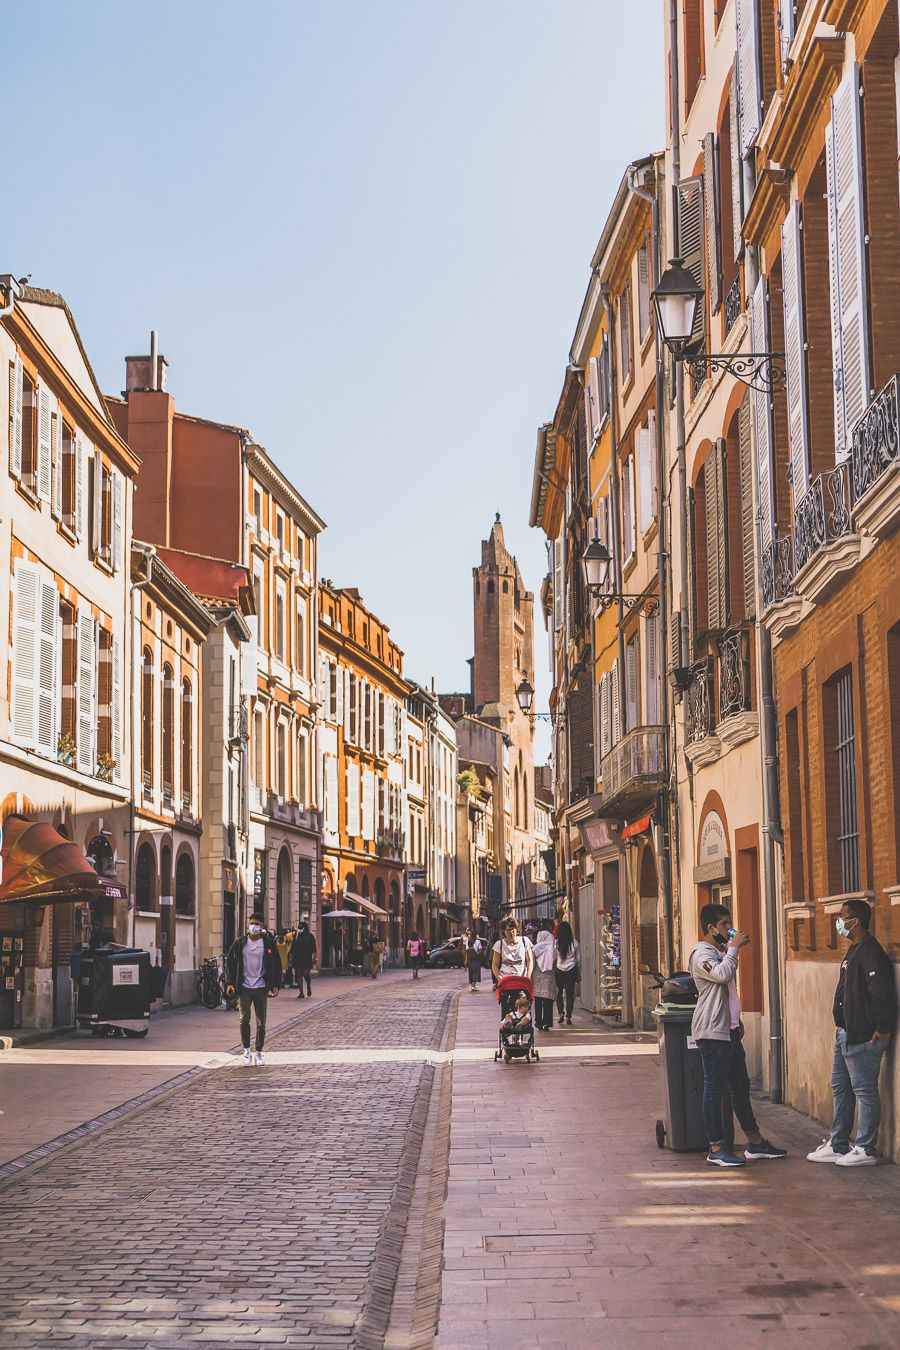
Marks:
<point>56,501</point>
<point>645,477</point>
<point>48,682</point>
<point>96,477</point>
<point>625,343</point>
<point>737,168</point>
<point>847,258</point>
<point>651,672</point>
<point>713,225</point>
<point>558,583</point>
<point>643,261</point>
<point>588,411</point>
<point>631,684</point>
<point>749,90</point>
<point>747,531</point>
<point>691,243</point>
<point>87,684</point>
<point>604,715</point>
<point>594,395</point>
<point>44,445</point>
<point>16,375</point>
<point>26,628</point>
<point>603,377</point>
<point>792,278</point>
<point>116,748</point>
<point>614,727</point>
<point>118,509</point>
<point>762,417</point>
<point>716,596</point>
<point>81,470</point>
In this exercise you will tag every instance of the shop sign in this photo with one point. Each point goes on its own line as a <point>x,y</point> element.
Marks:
<point>713,863</point>
<point>126,975</point>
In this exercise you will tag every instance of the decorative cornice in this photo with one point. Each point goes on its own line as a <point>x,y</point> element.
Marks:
<point>844,15</point>
<point>812,81</point>
<point>768,206</point>
<point>282,489</point>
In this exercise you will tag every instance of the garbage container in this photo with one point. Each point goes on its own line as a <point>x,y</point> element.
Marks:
<point>682,1128</point>
<point>114,990</point>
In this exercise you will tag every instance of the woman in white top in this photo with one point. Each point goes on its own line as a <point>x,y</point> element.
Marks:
<point>544,977</point>
<point>512,955</point>
<point>568,960</point>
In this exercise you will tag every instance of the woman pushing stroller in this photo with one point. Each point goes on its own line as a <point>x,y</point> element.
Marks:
<point>512,963</point>
<point>512,955</point>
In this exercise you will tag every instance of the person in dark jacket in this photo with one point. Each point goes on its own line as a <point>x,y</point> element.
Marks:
<point>865,1017</point>
<point>253,969</point>
<point>303,958</point>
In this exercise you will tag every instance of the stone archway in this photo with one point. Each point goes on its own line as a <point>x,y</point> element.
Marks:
<point>283,886</point>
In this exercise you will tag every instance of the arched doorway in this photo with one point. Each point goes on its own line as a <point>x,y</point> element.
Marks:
<point>185,887</point>
<point>283,890</point>
<point>145,879</point>
<point>365,888</point>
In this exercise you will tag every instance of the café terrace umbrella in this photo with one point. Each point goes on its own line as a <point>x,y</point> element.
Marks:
<point>37,863</point>
<point>341,914</point>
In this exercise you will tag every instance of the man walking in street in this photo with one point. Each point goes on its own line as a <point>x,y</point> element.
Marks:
<point>303,957</point>
<point>865,1017</point>
<point>716,1027</point>
<point>253,969</point>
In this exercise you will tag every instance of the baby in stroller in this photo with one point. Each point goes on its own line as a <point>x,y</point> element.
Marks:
<point>517,1024</point>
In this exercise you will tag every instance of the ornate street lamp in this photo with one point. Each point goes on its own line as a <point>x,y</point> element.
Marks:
<point>525,695</point>
<point>676,300</point>
<point>595,564</point>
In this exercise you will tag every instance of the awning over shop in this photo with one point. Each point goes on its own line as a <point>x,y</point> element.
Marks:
<point>639,826</point>
<point>38,863</point>
<point>367,906</point>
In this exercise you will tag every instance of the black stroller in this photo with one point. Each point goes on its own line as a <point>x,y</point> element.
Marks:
<point>516,1044</point>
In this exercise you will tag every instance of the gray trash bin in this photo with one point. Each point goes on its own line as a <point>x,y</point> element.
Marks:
<point>682,1128</point>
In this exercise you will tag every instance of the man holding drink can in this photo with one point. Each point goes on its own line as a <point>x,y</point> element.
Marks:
<point>716,1027</point>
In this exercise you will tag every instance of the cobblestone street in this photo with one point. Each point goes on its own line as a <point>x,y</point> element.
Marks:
<point>383,1183</point>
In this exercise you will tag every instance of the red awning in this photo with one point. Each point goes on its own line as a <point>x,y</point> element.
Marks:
<point>39,864</point>
<point>639,826</point>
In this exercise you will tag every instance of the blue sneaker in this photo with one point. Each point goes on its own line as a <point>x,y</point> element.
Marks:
<point>763,1149</point>
<point>724,1159</point>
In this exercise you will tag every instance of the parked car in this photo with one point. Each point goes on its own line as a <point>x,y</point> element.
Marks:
<point>446,954</point>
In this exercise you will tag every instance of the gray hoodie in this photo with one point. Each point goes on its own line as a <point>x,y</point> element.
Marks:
<point>713,971</point>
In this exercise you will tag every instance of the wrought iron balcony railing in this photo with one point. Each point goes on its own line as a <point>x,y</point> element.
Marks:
<point>733,304</point>
<point>700,701</point>
<point>777,570</point>
<point>876,440</point>
<point>822,514</point>
<point>636,764</point>
<point>734,673</point>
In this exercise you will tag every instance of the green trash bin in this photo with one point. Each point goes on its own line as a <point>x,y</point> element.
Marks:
<point>114,990</point>
<point>681,1127</point>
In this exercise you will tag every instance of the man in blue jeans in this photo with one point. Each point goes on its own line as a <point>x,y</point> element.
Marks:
<point>865,1016</point>
<point>716,1027</point>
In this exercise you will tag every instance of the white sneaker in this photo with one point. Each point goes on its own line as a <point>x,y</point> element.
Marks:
<point>824,1153</point>
<point>857,1157</point>
<point>260,1062</point>
<point>248,1056</point>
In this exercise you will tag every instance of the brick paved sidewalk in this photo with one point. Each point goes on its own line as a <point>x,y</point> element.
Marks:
<point>567,1227</point>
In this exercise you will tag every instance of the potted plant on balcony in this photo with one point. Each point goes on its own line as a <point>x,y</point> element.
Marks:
<point>105,766</point>
<point>65,749</point>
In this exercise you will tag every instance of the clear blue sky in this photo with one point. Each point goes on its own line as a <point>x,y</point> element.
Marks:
<point>363,231</point>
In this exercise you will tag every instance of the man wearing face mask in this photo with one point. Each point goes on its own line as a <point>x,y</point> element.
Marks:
<point>717,1028</point>
<point>253,969</point>
<point>865,1016</point>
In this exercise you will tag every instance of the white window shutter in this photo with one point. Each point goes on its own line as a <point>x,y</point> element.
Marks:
<point>690,227</point>
<point>651,673</point>
<point>762,417</point>
<point>713,231</point>
<point>628,505</point>
<point>48,691</point>
<point>353,799</point>
<point>795,354</point>
<point>737,168</point>
<point>588,413</point>
<point>558,583</point>
<point>96,477</point>
<point>631,685</point>
<point>44,446</point>
<point>87,683</point>
<point>604,714</point>
<point>847,257</point>
<point>26,655</point>
<point>787,24</point>
<point>15,417</point>
<point>594,389</point>
<point>345,678</point>
<point>652,431</point>
<point>614,705</point>
<point>118,510</point>
<point>117,711</point>
<point>57,455</point>
<point>81,472</point>
<point>331,792</point>
<point>337,675</point>
<point>749,91</point>
<point>645,478</point>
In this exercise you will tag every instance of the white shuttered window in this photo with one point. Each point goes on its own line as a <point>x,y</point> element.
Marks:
<point>762,417</point>
<point>87,693</point>
<point>26,626</point>
<point>792,276</point>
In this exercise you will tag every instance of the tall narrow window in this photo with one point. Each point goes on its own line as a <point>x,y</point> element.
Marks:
<point>302,769</point>
<point>104,696</point>
<point>281,745</point>
<point>187,744</point>
<point>845,774</point>
<point>259,751</point>
<point>279,624</point>
<point>147,721</point>
<point>68,720</point>
<point>625,333</point>
<point>794,830</point>
<point>168,735</point>
<point>643,262</point>
<point>300,640</point>
<point>257,512</point>
<point>29,432</point>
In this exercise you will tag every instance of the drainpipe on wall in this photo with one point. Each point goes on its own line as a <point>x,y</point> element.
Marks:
<point>772,832</point>
<point>662,569</point>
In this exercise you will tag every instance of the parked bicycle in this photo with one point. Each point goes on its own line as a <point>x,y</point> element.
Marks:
<point>209,983</point>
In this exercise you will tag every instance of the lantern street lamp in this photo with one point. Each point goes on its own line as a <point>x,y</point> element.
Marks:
<point>595,564</point>
<point>525,695</point>
<point>677,299</point>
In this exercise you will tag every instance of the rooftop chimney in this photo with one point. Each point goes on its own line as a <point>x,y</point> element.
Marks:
<point>147,372</point>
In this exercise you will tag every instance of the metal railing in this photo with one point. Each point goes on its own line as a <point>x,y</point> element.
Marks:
<point>732,305</point>
<point>700,701</point>
<point>637,761</point>
<point>822,514</point>
<point>734,672</point>
<point>777,570</point>
<point>875,443</point>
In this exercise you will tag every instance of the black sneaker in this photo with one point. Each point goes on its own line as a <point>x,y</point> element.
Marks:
<point>723,1158</point>
<point>753,1152</point>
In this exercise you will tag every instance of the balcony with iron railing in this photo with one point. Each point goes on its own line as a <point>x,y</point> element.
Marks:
<point>390,844</point>
<point>699,716</point>
<point>875,461</point>
<point>732,306</point>
<point>822,515</point>
<point>777,571</point>
<point>634,770</point>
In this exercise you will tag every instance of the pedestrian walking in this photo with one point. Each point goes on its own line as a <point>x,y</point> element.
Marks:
<point>717,1028</point>
<point>253,970</point>
<point>415,951</point>
<point>473,950</point>
<point>513,954</point>
<point>568,971</point>
<point>283,947</point>
<point>545,952</point>
<point>374,949</point>
<point>303,958</point>
<point>865,1018</point>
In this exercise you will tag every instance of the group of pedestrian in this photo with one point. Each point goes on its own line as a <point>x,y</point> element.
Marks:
<point>297,955</point>
<point>551,959</point>
<point>865,1017</point>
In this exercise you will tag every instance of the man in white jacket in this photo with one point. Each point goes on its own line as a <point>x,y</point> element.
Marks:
<point>716,1027</point>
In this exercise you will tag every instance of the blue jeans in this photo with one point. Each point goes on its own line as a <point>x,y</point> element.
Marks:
<point>854,1081</point>
<point>725,1065</point>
